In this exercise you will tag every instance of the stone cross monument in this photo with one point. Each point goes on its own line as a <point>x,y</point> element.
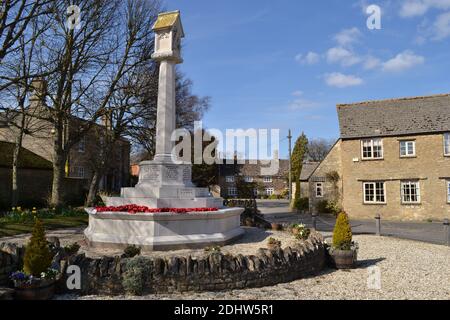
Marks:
<point>165,182</point>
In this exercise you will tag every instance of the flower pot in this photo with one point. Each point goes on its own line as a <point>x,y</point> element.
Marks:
<point>276,226</point>
<point>344,259</point>
<point>39,290</point>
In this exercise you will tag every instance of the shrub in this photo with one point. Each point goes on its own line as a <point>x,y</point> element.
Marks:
<point>342,233</point>
<point>72,249</point>
<point>274,242</point>
<point>131,251</point>
<point>302,232</point>
<point>333,207</point>
<point>301,204</point>
<point>136,275</point>
<point>322,206</point>
<point>212,249</point>
<point>37,257</point>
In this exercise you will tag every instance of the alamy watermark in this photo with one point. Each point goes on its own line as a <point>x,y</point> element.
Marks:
<point>74,17</point>
<point>374,19</point>
<point>374,278</point>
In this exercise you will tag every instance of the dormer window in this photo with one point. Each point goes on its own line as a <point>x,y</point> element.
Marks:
<point>372,149</point>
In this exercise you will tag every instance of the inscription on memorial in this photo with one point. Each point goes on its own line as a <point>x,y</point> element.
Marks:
<point>150,173</point>
<point>171,173</point>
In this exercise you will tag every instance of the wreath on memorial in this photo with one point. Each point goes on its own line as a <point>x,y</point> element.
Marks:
<point>133,209</point>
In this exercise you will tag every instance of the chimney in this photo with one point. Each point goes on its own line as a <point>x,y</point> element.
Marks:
<point>38,92</point>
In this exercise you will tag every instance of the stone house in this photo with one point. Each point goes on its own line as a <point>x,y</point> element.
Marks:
<point>79,163</point>
<point>393,159</point>
<point>250,171</point>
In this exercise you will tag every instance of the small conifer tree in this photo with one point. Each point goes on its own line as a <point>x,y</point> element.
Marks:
<point>38,257</point>
<point>342,233</point>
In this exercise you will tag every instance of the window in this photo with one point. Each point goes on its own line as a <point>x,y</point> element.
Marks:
<point>232,192</point>
<point>447,144</point>
<point>374,192</point>
<point>248,179</point>
<point>407,148</point>
<point>269,191</point>
<point>82,145</point>
<point>319,190</point>
<point>229,179</point>
<point>372,149</point>
<point>267,179</point>
<point>77,172</point>
<point>410,192</point>
<point>448,191</point>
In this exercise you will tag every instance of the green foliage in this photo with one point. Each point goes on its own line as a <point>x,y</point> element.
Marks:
<point>333,176</point>
<point>72,249</point>
<point>322,206</point>
<point>136,275</point>
<point>22,215</point>
<point>213,249</point>
<point>333,207</point>
<point>297,158</point>
<point>301,204</point>
<point>342,233</point>
<point>245,189</point>
<point>37,257</point>
<point>131,251</point>
<point>301,231</point>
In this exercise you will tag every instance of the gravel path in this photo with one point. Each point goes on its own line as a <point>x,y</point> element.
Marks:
<point>409,270</point>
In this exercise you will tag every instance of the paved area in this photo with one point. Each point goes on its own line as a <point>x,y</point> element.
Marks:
<point>432,232</point>
<point>407,270</point>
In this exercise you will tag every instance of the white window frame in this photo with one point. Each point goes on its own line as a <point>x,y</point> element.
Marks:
<point>410,185</point>
<point>232,191</point>
<point>448,190</point>
<point>269,191</point>
<point>229,179</point>
<point>447,144</point>
<point>77,172</point>
<point>248,179</point>
<point>267,179</point>
<point>409,148</point>
<point>319,186</point>
<point>82,145</point>
<point>375,194</point>
<point>372,143</point>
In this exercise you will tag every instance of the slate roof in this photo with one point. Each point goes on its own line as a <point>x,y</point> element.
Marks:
<point>395,117</point>
<point>307,170</point>
<point>250,169</point>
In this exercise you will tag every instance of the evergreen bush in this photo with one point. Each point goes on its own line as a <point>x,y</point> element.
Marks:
<point>136,275</point>
<point>342,233</point>
<point>38,257</point>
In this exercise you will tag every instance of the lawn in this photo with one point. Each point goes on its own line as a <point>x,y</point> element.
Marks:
<point>58,222</point>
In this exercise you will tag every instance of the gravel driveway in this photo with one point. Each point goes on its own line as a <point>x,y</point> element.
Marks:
<point>409,270</point>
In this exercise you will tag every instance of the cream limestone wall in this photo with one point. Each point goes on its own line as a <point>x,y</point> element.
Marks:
<point>429,166</point>
<point>332,162</point>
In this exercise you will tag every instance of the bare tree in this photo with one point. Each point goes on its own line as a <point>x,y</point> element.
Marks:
<point>318,149</point>
<point>16,17</point>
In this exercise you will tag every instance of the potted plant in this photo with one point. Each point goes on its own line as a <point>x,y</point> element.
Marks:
<point>276,226</point>
<point>37,280</point>
<point>300,231</point>
<point>273,243</point>
<point>343,251</point>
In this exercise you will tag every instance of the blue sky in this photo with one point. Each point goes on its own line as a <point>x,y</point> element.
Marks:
<point>287,63</point>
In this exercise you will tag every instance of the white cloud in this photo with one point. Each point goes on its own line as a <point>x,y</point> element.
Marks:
<point>340,80</point>
<point>343,56</point>
<point>297,93</point>
<point>371,62</point>
<point>441,27</point>
<point>310,58</point>
<point>414,8</point>
<point>302,104</point>
<point>403,61</point>
<point>348,36</point>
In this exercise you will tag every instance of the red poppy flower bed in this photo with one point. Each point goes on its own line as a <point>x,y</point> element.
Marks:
<point>133,209</point>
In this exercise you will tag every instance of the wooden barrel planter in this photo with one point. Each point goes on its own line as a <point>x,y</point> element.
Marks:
<point>42,290</point>
<point>344,259</point>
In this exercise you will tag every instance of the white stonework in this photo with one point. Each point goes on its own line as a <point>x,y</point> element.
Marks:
<point>165,182</point>
<point>164,231</point>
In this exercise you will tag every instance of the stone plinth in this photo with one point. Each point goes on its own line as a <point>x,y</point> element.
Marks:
<point>164,231</point>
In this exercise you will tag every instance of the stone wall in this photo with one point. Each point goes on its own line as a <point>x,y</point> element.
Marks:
<point>214,272</point>
<point>430,167</point>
